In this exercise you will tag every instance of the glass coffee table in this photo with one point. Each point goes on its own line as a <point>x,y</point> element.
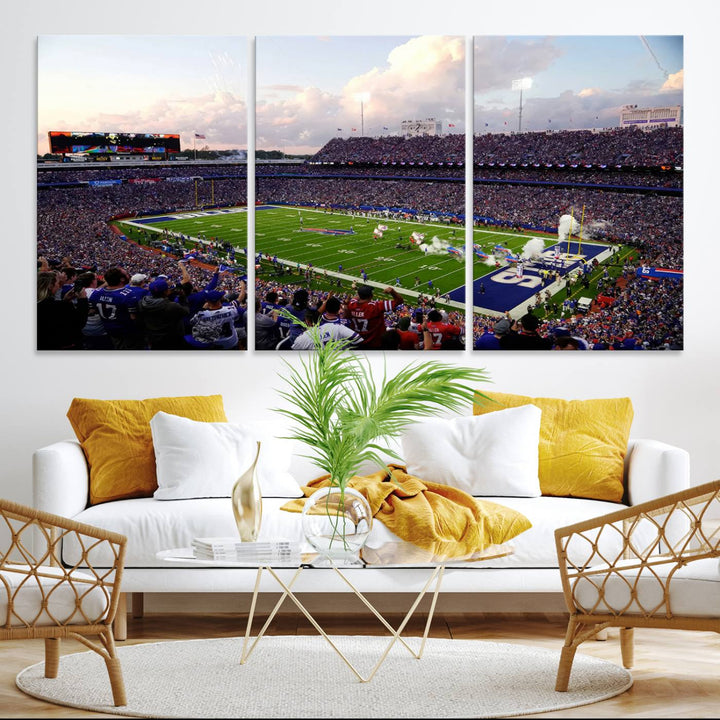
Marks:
<point>388,555</point>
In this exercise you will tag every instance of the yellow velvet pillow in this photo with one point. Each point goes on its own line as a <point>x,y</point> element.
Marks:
<point>582,443</point>
<point>116,438</point>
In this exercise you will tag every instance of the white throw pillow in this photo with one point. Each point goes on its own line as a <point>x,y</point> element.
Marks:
<point>494,454</point>
<point>204,459</point>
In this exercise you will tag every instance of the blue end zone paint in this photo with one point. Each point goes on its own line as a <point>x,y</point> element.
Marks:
<point>151,220</point>
<point>185,215</point>
<point>504,290</point>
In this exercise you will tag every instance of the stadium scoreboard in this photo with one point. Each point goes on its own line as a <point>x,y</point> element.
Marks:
<point>651,117</point>
<point>101,143</point>
<point>412,128</point>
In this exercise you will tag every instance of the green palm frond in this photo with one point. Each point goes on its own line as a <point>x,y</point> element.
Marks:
<point>340,413</point>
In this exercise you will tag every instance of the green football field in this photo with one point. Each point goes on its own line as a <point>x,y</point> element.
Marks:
<point>341,245</point>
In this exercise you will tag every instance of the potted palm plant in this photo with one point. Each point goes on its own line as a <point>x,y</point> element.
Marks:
<point>345,418</point>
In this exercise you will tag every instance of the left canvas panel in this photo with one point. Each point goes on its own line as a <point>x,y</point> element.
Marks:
<point>141,192</point>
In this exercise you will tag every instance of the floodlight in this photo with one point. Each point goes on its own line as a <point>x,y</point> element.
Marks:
<point>363,97</point>
<point>522,83</point>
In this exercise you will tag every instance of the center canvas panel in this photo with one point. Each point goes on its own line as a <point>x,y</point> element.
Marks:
<point>360,192</point>
<point>142,192</point>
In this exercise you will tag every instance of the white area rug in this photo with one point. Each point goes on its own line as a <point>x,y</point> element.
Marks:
<point>301,676</point>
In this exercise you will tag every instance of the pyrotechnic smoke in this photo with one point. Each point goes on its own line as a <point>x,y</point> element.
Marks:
<point>597,229</point>
<point>435,247</point>
<point>533,249</point>
<point>567,224</point>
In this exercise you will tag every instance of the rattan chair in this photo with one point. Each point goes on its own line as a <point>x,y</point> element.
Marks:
<point>653,565</point>
<point>40,598</point>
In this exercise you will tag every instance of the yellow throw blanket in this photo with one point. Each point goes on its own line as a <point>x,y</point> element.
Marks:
<point>437,518</point>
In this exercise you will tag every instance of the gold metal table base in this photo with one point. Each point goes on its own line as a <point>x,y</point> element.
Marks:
<point>248,646</point>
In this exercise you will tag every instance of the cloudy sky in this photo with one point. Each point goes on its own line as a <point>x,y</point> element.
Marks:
<point>144,83</point>
<point>308,89</point>
<point>576,81</point>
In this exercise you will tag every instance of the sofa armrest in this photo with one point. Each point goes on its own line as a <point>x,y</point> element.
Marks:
<point>61,478</point>
<point>654,469</point>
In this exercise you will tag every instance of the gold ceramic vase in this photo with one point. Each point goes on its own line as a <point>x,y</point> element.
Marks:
<point>247,502</point>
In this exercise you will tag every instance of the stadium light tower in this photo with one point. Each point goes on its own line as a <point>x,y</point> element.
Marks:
<point>363,97</point>
<point>521,84</point>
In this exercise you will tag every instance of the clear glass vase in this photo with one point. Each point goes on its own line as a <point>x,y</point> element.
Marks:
<point>337,522</point>
<point>247,502</point>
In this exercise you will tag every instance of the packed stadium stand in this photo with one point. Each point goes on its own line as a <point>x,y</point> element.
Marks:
<point>629,181</point>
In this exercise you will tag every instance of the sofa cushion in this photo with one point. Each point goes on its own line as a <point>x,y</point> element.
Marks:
<point>204,459</point>
<point>582,443</point>
<point>151,526</point>
<point>117,442</point>
<point>494,454</point>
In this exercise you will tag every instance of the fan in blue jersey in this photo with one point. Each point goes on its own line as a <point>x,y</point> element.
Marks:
<point>330,312</point>
<point>270,303</point>
<point>288,328</point>
<point>117,306</point>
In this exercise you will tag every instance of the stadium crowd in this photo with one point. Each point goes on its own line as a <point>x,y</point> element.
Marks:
<point>382,322</point>
<point>76,245</point>
<point>619,146</point>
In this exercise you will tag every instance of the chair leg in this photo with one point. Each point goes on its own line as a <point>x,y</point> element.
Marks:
<point>627,646</point>
<point>120,622</point>
<point>112,662</point>
<point>52,657</point>
<point>567,655</point>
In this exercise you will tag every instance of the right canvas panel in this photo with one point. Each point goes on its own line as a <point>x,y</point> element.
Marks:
<point>578,193</point>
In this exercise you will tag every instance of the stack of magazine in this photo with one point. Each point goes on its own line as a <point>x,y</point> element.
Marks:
<point>278,552</point>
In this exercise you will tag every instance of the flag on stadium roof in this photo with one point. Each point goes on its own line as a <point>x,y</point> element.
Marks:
<point>339,129</point>
<point>199,136</point>
<point>354,129</point>
<point>451,124</point>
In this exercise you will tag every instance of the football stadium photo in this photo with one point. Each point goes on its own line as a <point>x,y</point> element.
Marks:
<point>566,233</point>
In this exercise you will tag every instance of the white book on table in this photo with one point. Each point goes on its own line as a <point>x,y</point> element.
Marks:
<point>221,543</point>
<point>273,551</point>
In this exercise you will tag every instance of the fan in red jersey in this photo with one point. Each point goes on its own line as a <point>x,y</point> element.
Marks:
<point>367,316</point>
<point>443,334</point>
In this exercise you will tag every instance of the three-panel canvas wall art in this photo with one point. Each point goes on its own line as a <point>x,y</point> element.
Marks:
<point>227,193</point>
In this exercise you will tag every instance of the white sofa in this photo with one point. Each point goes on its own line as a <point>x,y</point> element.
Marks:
<point>652,469</point>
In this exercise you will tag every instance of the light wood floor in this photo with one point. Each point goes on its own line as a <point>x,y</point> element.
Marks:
<point>676,673</point>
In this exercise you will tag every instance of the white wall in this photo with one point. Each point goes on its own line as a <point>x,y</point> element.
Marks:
<point>676,395</point>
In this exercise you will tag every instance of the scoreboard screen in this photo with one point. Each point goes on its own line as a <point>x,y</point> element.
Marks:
<point>112,143</point>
